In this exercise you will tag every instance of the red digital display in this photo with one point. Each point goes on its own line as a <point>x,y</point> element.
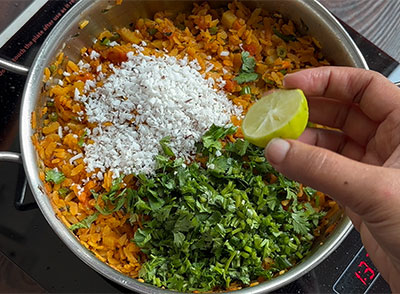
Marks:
<point>358,276</point>
<point>365,273</point>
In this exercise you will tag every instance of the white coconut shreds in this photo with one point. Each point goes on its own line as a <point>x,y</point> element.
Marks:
<point>147,99</point>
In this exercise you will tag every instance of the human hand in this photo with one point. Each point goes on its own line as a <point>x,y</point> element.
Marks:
<point>358,166</point>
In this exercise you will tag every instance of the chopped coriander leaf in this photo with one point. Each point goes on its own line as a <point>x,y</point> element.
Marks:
<point>300,224</point>
<point>85,223</point>
<point>213,30</point>
<point>63,192</point>
<point>269,82</point>
<point>310,192</point>
<point>113,201</point>
<point>283,263</point>
<point>245,77</point>
<point>214,224</point>
<point>54,176</point>
<point>164,145</point>
<point>248,62</point>
<point>142,237</point>
<point>115,36</point>
<point>286,38</point>
<point>53,68</point>
<point>81,140</point>
<point>116,185</point>
<point>247,73</point>
<point>239,147</point>
<point>105,41</point>
<point>211,138</point>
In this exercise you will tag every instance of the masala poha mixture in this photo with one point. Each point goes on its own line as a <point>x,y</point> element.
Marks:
<point>143,156</point>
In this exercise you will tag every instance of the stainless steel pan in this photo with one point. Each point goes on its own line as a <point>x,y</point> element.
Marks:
<point>309,16</point>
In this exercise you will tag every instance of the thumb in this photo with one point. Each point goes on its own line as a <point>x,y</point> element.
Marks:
<point>363,188</point>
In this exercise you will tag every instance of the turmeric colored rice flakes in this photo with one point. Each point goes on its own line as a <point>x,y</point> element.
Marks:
<point>216,39</point>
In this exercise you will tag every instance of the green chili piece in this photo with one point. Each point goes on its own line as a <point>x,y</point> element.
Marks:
<point>245,90</point>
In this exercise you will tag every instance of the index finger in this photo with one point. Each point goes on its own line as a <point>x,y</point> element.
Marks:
<point>375,94</point>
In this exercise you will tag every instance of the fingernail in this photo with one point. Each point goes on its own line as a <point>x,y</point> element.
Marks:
<point>276,150</point>
<point>284,83</point>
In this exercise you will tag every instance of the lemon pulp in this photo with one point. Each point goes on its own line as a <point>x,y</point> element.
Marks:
<point>279,114</point>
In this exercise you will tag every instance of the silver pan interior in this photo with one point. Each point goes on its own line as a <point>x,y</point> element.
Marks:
<point>309,16</point>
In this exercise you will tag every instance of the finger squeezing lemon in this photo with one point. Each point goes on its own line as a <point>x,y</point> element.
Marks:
<point>279,114</point>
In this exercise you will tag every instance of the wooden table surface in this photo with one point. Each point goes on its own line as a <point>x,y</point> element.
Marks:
<point>376,20</point>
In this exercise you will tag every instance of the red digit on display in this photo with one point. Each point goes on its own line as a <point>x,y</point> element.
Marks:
<point>367,270</point>
<point>361,268</point>
<point>359,277</point>
<point>371,271</point>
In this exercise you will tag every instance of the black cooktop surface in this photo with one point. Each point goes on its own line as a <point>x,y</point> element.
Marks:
<point>33,258</point>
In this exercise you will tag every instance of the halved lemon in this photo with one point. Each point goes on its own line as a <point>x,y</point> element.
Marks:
<point>279,114</point>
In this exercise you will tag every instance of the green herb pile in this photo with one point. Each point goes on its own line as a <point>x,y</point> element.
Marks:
<point>206,226</point>
<point>219,223</point>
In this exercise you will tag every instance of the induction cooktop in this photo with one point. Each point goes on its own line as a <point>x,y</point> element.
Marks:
<point>33,258</point>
